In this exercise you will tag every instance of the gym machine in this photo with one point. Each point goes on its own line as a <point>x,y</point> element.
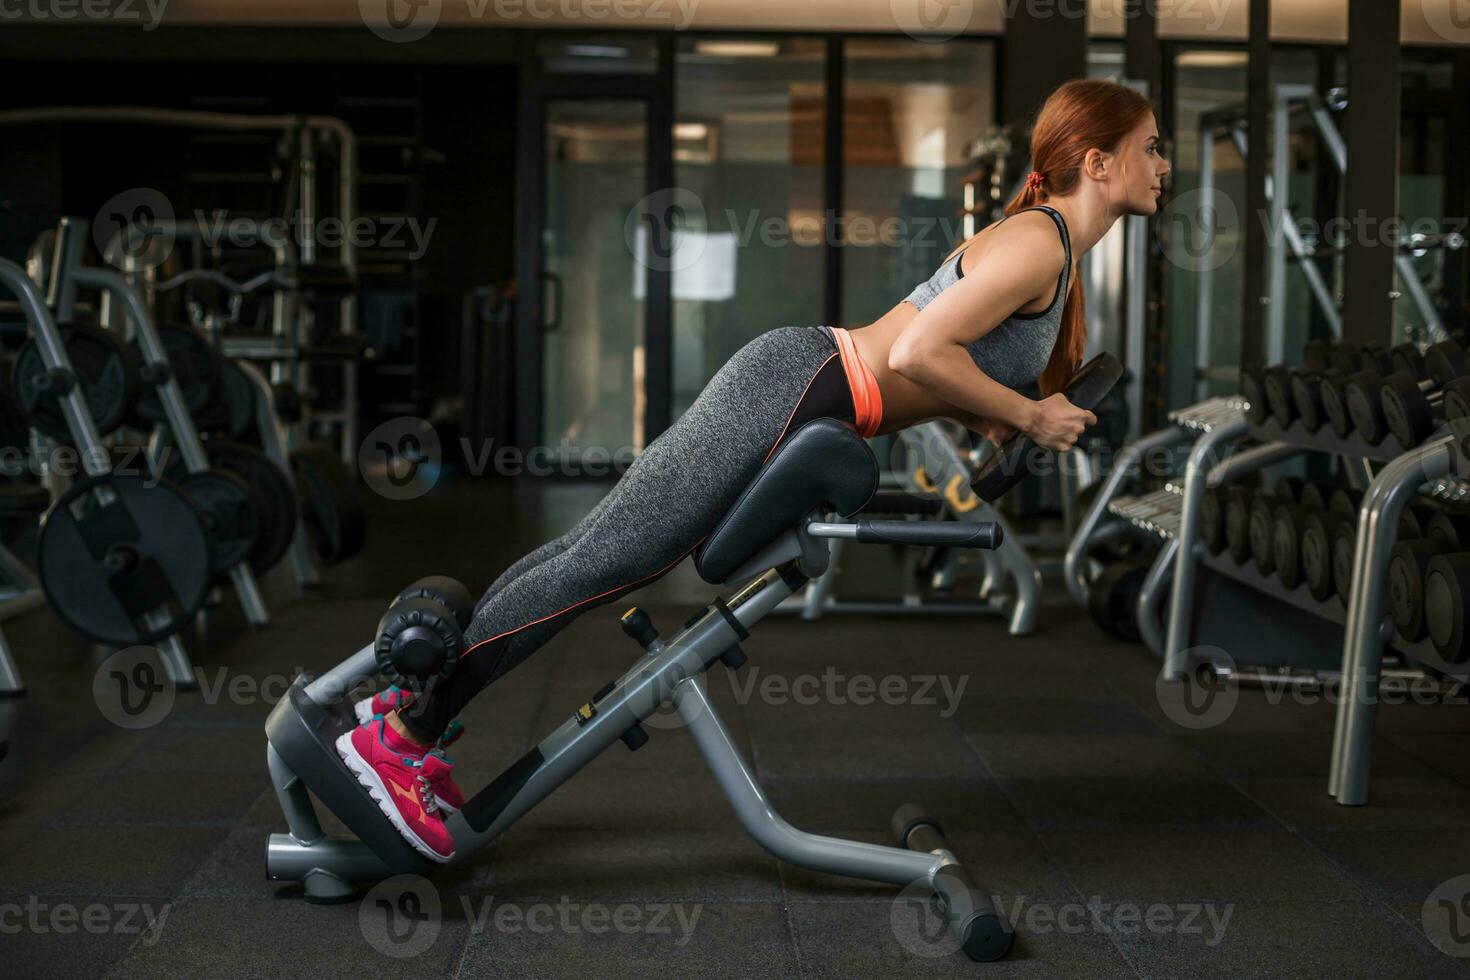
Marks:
<point>938,484</point>
<point>771,543</point>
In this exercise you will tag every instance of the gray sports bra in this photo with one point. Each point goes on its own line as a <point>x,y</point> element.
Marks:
<point>1017,350</point>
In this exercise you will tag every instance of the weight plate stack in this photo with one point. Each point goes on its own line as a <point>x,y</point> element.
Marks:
<point>106,371</point>
<point>330,509</point>
<point>116,548</point>
<point>231,510</point>
<point>276,498</point>
<point>194,362</point>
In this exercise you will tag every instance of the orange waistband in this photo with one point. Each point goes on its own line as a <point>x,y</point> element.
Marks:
<point>867,400</point>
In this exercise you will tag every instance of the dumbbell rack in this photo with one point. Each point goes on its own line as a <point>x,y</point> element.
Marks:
<point>1197,614</point>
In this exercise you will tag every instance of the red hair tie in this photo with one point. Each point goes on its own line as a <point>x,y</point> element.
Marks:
<point>1034,180</point>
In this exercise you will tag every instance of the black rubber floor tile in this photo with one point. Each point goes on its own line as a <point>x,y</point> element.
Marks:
<point>1439,754</point>
<point>903,938</point>
<point>1000,715</point>
<point>250,938</point>
<point>1222,866</point>
<point>51,936</point>
<point>850,739</point>
<point>1088,756</point>
<point>181,748</point>
<point>1394,866</point>
<point>1149,805</point>
<point>636,940</point>
<point>125,861</point>
<point>842,806</point>
<point>1306,754</point>
<point>1252,710</point>
<point>716,864</point>
<point>1393,804</point>
<point>1288,939</point>
<point>165,799</point>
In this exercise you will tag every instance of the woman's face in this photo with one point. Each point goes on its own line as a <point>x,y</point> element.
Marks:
<point>1141,169</point>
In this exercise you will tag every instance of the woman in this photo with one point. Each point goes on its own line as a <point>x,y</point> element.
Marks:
<point>1003,310</point>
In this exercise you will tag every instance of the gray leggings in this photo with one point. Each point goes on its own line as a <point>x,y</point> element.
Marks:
<point>663,507</point>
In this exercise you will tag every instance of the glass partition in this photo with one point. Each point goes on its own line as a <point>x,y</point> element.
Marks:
<point>910,112</point>
<point>749,148</point>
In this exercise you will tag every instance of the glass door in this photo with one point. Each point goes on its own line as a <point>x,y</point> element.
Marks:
<point>595,163</point>
<point>593,300</point>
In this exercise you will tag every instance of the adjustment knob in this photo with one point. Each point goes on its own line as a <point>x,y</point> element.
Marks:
<point>638,625</point>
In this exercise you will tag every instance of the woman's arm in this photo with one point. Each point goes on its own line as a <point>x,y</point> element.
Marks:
<point>1021,266</point>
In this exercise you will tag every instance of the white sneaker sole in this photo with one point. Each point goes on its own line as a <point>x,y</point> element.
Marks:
<point>374,785</point>
<point>363,710</point>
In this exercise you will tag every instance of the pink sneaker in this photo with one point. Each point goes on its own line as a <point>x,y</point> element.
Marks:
<point>380,704</point>
<point>448,795</point>
<point>401,778</point>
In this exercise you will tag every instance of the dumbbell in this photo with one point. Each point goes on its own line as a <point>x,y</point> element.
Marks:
<point>1319,531</point>
<point>1445,532</point>
<point>1300,396</point>
<point>1406,401</point>
<point>1360,391</point>
<point>1446,594</point>
<point>1373,363</point>
<point>1288,490</point>
<point>1237,522</point>
<point>1345,541</point>
<point>1288,520</point>
<point>1212,519</point>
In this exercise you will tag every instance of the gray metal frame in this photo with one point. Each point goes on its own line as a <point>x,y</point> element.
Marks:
<point>670,671</point>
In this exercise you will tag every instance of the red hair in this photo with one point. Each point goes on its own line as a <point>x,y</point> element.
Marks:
<point>1078,116</point>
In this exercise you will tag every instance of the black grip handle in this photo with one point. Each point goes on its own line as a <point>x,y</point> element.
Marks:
<point>953,534</point>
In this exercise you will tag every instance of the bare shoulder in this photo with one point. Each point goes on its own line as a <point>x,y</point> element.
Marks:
<point>1027,241</point>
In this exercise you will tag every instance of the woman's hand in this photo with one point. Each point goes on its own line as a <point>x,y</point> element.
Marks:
<point>1057,424</point>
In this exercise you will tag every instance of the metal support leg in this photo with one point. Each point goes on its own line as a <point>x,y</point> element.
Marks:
<point>1362,653</point>
<point>1151,596</point>
<point>1202,457</point>
<point>1124,466</point>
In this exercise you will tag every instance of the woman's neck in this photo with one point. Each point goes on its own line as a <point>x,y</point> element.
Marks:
<point>1088,218</point>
